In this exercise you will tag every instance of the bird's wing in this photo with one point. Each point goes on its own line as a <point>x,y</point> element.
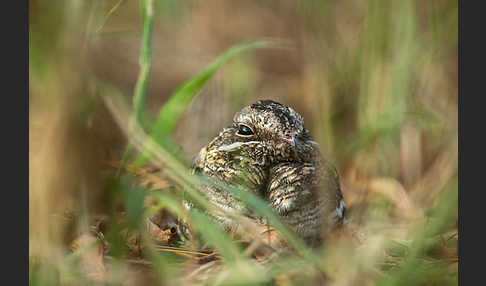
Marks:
<point>307,196</point>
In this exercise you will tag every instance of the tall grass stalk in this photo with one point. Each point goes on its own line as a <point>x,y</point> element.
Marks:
<point>140,93</point>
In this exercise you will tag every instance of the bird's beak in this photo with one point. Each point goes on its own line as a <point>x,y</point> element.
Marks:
<point>290,139</point>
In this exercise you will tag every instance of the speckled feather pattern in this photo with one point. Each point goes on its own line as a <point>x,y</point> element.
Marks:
<point>278,161</point>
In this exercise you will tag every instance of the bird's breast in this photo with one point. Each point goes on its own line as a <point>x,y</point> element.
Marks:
<point>235,168</point>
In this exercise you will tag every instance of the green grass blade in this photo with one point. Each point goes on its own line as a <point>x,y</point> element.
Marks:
<point>141,87</point>
<point>140,94</point>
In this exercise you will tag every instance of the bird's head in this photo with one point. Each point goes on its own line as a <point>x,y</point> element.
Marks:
<point>261,135</point>
<point>278,129</point>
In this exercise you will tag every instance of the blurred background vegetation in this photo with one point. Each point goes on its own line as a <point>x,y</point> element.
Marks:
<point>376,82</point>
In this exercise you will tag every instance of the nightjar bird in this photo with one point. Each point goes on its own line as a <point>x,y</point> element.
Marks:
<point>268,150</point>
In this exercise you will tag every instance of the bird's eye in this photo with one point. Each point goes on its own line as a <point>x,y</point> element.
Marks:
<point>244,130</point>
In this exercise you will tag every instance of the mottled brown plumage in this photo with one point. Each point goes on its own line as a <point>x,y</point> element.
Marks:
<point>268,150</point>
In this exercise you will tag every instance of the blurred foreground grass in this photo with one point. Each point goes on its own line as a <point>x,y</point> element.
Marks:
<point>377,85</point>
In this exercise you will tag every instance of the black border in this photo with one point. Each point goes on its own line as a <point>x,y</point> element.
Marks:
<point>471,63</point>
<point>15,149</point>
